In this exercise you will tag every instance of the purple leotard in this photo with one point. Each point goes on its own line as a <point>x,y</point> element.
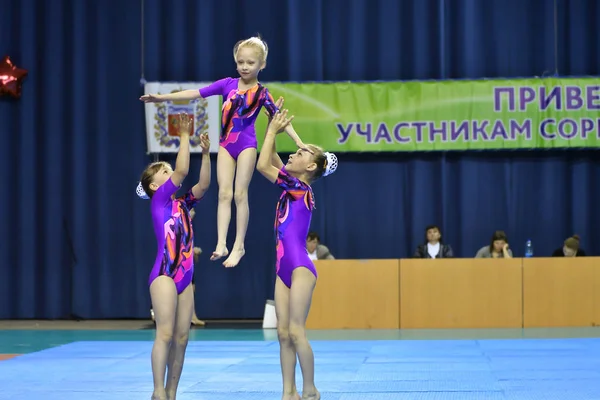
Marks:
<point>174,234</point>
<point>292,221</point>
<point>239,112</point>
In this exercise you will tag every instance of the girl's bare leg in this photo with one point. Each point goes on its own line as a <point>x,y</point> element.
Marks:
<point>225,174</point>
<point>164,303</point>
<point>185,307</point>
<point>303,285</point>
<point>245,169</point>
<point>287,352</point>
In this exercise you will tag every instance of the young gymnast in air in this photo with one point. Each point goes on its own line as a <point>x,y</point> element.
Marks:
<point>296,274</point>
<point>243,99</point>
<point>170,279</point>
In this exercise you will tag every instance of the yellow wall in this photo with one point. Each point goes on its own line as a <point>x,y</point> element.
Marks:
<point>456,293</point>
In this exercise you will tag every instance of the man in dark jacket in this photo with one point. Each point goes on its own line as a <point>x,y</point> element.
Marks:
<point>433,246</point>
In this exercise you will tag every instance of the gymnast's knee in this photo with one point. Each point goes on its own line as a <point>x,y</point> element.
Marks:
<point>164,334</point>
<point>241,196</point>
<point>297,333</point>
<point>283,334</point>
<point>181,339</point>
<point>225,195</point>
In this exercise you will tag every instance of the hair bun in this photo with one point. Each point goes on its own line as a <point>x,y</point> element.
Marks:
<point>332,163</point>
<point>139,190</point>
<point>254,40</point>
<point>576,237</point>
<point>258,41</point>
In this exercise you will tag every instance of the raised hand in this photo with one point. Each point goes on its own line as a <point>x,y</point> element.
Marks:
<point>185,123</point>
<point>204,143</point>
<point>280,121</point>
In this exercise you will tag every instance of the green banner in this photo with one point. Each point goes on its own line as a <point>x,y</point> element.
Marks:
<point>442,115</point>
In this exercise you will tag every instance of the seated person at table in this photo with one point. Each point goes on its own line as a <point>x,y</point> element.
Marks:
<point>570,248</point>
<point>433,246</point>
<point>317,251</point>
<point>498,247</point>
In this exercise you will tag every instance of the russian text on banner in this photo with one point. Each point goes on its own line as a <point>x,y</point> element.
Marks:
<point>442,115</point>
<point>161,118</point>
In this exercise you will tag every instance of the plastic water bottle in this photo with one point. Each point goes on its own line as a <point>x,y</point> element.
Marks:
<point>528,249</point>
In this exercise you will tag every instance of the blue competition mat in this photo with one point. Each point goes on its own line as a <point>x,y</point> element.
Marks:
<point>523,369</point>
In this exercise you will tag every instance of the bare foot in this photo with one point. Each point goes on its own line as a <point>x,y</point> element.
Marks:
<point>312,396</point>
<point>234,258</point>
<point>294,396</point>
<point>197,322</point>
<point>159,396</point>
<point>221,251</point>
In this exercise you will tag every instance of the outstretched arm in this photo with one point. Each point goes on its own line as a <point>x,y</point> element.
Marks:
<point>182,164</point>
<point>203,184</point>
<point>213,89</point>
<point>265,165</point>
<point>184,95</point>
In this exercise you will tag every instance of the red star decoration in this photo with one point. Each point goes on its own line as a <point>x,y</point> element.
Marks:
<point>11,78</point>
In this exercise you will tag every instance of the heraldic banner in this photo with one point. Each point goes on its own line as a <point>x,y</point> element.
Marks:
<point>161,129</point>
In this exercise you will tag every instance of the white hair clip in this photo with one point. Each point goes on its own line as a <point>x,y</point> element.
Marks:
<point>139,190</point>
<point>332,163</point>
